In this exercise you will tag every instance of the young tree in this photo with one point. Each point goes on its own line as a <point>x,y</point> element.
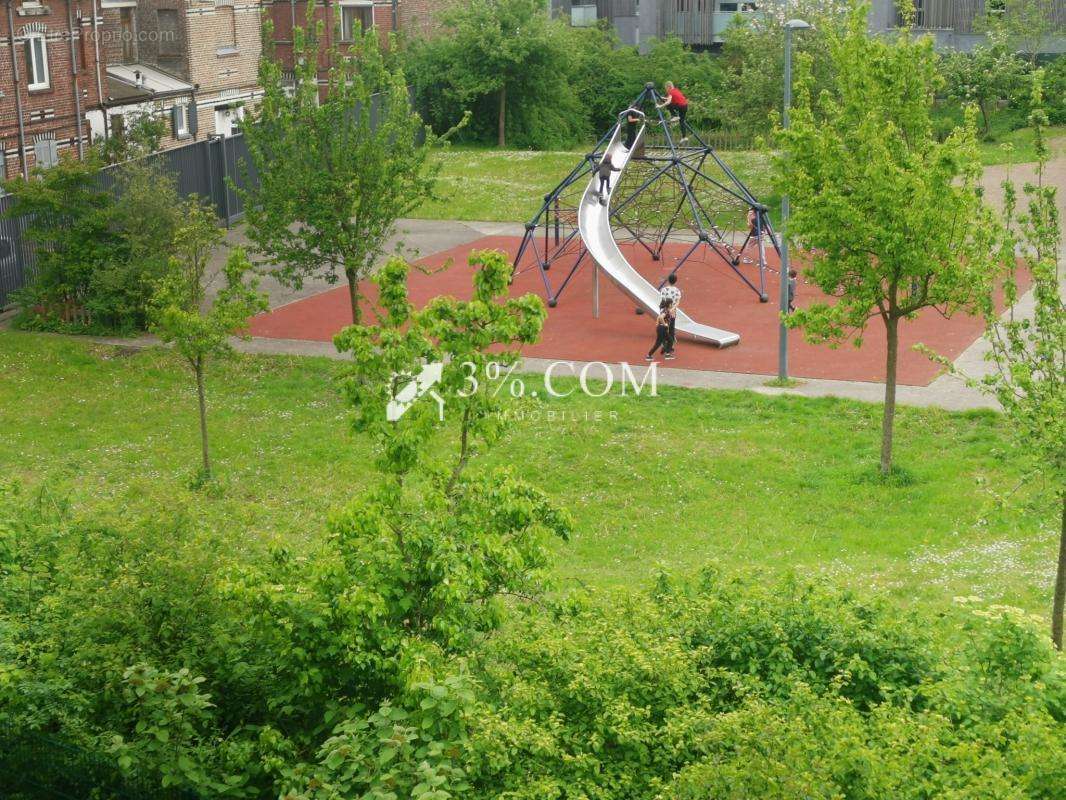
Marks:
<point>987,74</point>
<point>892,218</point>
<point>178,313</point>
<point>337,165</point>
<point>1028,353</point>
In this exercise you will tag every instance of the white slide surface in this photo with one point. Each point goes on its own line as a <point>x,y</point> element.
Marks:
<point>594,224</point>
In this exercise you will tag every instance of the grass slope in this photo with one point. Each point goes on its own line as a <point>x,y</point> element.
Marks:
<point>491,185</point>
<point>677,480</point>
<point>509,185</point>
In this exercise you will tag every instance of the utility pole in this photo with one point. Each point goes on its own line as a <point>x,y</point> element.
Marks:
<point>782,336</point>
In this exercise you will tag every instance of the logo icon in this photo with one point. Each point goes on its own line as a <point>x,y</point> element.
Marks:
<point>409,393</point>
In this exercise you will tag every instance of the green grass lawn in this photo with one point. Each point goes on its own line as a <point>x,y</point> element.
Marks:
<point>493,185</point>
<point>486,184</point>
<point>1021,148</point>
<point>673,481</point>
<point>1006,127</point>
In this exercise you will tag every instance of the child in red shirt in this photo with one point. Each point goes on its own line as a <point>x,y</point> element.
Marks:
<point>677,104</point>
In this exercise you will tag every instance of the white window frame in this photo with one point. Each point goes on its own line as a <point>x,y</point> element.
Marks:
<point>33,82</point>
<point>181,117</point>
<point>351,4</point>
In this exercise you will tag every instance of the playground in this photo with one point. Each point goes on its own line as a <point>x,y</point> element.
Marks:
<point>711,292</point>
<point>652,201</point>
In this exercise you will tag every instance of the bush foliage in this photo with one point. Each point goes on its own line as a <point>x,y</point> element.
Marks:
<point>199,664</point>
<point>569,93</point>
<point>100,252</point>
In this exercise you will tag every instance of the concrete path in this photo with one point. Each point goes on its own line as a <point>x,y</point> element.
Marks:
<point>414,239</point>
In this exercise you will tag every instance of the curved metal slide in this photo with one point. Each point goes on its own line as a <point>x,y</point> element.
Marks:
<point>594,224</point>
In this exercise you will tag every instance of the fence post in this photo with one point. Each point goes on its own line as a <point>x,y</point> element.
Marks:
<point>225,188</point>
<point>210,172</point>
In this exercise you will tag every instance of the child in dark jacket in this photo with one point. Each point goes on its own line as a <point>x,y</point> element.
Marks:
<point>605,169</point>
<point>662,330</point>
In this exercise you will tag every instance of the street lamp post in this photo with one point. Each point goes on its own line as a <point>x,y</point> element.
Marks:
<point>782,340</point>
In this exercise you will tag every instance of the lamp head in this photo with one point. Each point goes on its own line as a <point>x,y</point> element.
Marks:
<point>797,25</point>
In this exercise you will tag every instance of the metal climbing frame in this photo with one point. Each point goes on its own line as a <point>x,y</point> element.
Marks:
<point>672,191</point>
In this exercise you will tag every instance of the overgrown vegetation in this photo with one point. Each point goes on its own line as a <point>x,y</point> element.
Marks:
<point>195,664</point>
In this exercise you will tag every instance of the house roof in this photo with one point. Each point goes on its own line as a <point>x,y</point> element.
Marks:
<point>125,87</point>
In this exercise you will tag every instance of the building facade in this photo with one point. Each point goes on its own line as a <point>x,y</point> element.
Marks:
<point>289,15</point>
<point>192,63</point>
<point>49,80</point>
<point>702,23</point>
<point>411,18</point>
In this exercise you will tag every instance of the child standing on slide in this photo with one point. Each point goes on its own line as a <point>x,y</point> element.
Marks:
<point>662,330</point>
<point>677,104</point>
<point>633,118</point>
<point>605,169</point>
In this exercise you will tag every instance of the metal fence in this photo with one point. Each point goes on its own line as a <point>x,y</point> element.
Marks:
<point>36,766</point>
<point>203,168</point>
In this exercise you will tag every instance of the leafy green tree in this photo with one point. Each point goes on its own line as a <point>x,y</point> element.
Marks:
<point>1028,352</point>
<point>178,313</point>
<point>509,63</point>
<point>142,136</point>
<point>753,52</point>
<point>1024,25</point>
<point>418,569</point>
<point>337,165</point>
<point>70,225</point>
<point>99,251</point>
<point>987,74</point>
<point>892,218</point>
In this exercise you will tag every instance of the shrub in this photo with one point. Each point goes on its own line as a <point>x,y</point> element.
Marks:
<point>732,688</point>
<point>99,252</point>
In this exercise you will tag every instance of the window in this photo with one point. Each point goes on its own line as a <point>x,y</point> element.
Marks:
<point>46,152</point>
<point>118,126</point>
<point>129,39</point>
<point>226,43</point>
<point>361,15</point>
<point>582,16</point>
<point>36,62</point>
<point>167,24</point>
<point>228,120</point>
<point>180,121</point>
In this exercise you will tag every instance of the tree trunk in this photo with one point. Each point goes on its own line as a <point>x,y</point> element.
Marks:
<point>984,118</point>
<point>501,121</point>
<point>1060,584</point>
<point>892,356</point>
<point>353,296</point>
<point>201,395</point>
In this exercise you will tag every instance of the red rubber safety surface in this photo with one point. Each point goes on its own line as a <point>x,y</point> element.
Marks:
<point>712,294</point>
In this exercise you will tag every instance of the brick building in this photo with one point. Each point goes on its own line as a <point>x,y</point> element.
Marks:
<point>49,79</point>
<point>192,62</point>
<point>408,17</point>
